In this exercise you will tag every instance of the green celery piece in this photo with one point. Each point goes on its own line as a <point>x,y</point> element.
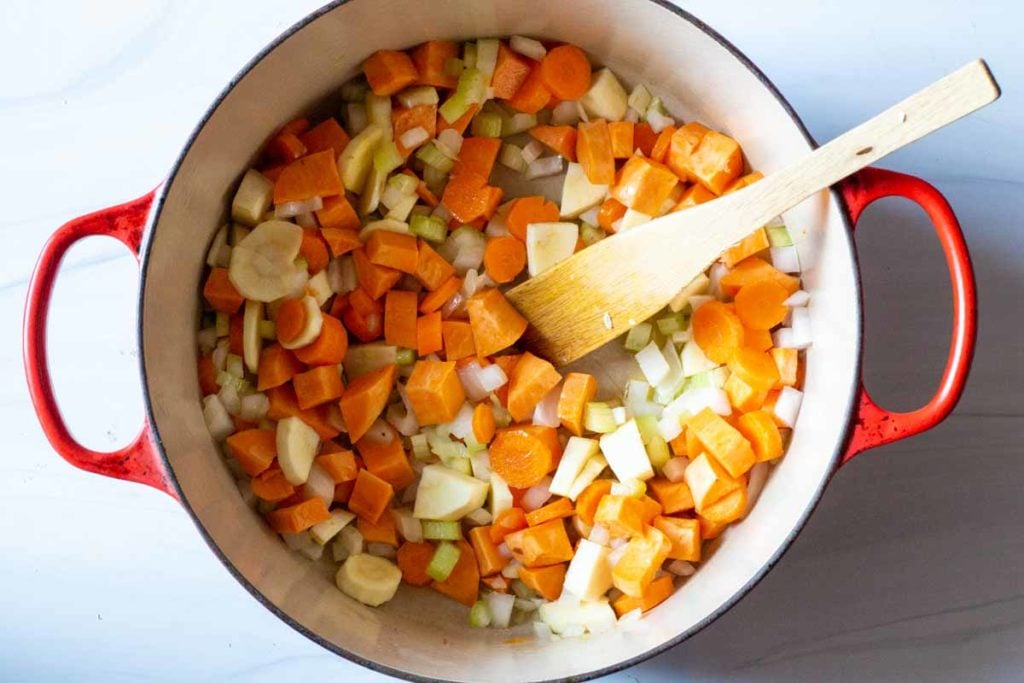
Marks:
<point>591,234</point>
<point>436,530</point>
<point>421,448</point>
<point>778,236</point>
<point>487,125</point>
<point>480,615</point>
<point>386,158</point>
<point>435,158</point>
<point>674,322</point>
<point>597,417</point>
<point>430,228</point>
<point>405,357</point>
<point>638,337</point>
<point>445,557</point>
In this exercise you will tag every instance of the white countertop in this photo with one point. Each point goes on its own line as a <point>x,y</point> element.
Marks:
<point>909,569</point>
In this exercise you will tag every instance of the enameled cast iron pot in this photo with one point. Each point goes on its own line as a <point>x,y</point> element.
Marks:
<point>420,634</point>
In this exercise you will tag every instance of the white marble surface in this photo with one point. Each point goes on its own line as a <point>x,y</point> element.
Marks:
<point>909,569</point>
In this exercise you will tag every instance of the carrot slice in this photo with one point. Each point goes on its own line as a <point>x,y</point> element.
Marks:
<point>489,560</point>
<point>434,391</point>
<point>594,151</point>
<point>340,464</point>
<point>363,316</point>
<point>271,486</point>
<point>761,305</point>
<point>328,134</point>
<point>611,210</point>
<point>507,521</point>
<point>463,584</point>
<point>388,71</point>
<point>317,386</point>
<point>743,181</point>
<point>437,298</point>
<point>717,161</point>
<point>635,570</point>
<point>577,391</point>
<point>477,155</point>
<point>755,269</point>
<point>428,334</point>
<point>413,559</point>
<point>723,441</point>
<point>299,517</point>
<point>208,375</point>
<point>404,119</point>
<point>338,214</point>
<point>544,581</point>
<point>284,148</point>
<point>510,72</point>
<point>531,379</point>
<point>760,430</point>
<point>400,318</point>
<point>621,133</point>
<point>656,593</point>
<point>371,496</point>
<point>430,59</point>
<point>381,531</point>
<point>644,138</point>
<point>532,95</point>
<point>717,331</point>
<point>559,509</point>
<point>673,496</point>
<point>296,126</point>
<point>692,196</point>
<point>787,362</point>
<point>365,398</point>
<point>314,251</point>
<point>330,346</point>
<point>661,146</point>
<point>742,396</point>
<point>468,196</point>
<point>590,498</point>
<point>387,460</point>
<point>504,258</point>
<point>560,139</point>
<point>375,280</point>
<point>315,175</point>
<point>220,293</point>
<point>483,423</point>
<point>496,324</point>
<point>458,339</point>
<point>621,515</point>
<point>277,366</point>
<point>748,246</point>
<point>644,185</point>
<point>754,367</point>
<point>684,535</point>
<point>431,268</point>
<point>393,250</point>
<point>291,320</point>
<point>565,71</point>
<point>526,210</point>
<point>682,146</point>
<point>254,449</point>
<point>524,454</point>
<point>235,325</point>
<point>541,545</point>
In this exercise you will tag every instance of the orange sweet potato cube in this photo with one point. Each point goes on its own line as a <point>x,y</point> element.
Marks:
<point>435,392</point>
<point>633,573</point>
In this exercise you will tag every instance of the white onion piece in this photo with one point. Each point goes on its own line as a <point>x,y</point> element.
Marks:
<point>290,209</point>
<point>217,419</point>
<point>632,115</point>
<point>674,469</point>
<point>497,226</point>
<point>787,405</point>
<point>536,496</point>
<point>542,168</point>
<point>590,215</point>
<point>303,543</point>
<point>620,415</point>
<point>546,412</point>
<point>207,339</point>
<point>542,631</point>
<point>462,426</point>
<point>801,324</point>
<point>441,211</point>
<point>532,151</point>
<point>414,137</point>
<point>528,47</point>
<point>319,484</point>
<point>479,517</point>
<point>630,619</point>
<point>220,355</point>
<point>380,550</point>
<point>617,551</point>
<point>582,112</point>
<point>797,299</point>
<point>228,396</point>
<point>500,606</point>
<point>599,534</point>
<point>254,407</point>
<point>469,376</point>
<point>402,419</point>
<point>455,304</point>
<point>680,568</point>
<point>718,270</point>
<point>410,528</point>
<point>451,139</point>
<point>511,570</point>
<point>306,220</point>
<point>504,551</point>
<point>755,484</point>
<point>659,121</point>
<point>786,259</point>
<point>565,113</point>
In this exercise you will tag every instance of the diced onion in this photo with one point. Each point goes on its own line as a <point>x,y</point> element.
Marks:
<point>477,382</point>
<point>590,215</point>
<point>207,339</point>
<point>630,618</point>
<point>228,395</point>
<point>543,631</point>
<point>306,220</point>
<point>618,550</point>
<point>379,433</point>
<point>541,168</point>
<point>565,113</point>
<point>504,551</point>
<point>511,570</point>
<point>798,299</point>
<point>532,151</point>
<point>786,259</point>
<point>442,212</point>
<point>798,335</point>
<point>414,137</point>
<point>715,275</point>
<point>787,405</point>
<point>674,469</point>
<point>582,112</point>
<point>680,568</point>
<point>632,115</point>
<point>599,534</point>
<point>546,412</point>
<point>408,526</point>
<point>658,121</point>
<point>254,407</point>
<point>536,496</point>
<point>500,606</point>
<point>217,419</point>
<point>496,226</point>
<point>619,415</point>
<point>380,550</point>
<point>451,139</point>
<point>478,517</point>
<point>462,426</point>
<point>220,355</point>
<point>290,209</point>
<point>528,47</point>
<point>755,483</point>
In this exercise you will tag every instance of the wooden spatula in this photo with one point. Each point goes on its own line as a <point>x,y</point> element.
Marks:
<point>602,291</point>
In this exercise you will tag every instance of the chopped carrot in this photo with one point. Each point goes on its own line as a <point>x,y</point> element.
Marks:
<point>717,331</point>
<point>760,430</point>
<point>296,126</point>
<point>271,485</point>
<point>635,570</point>
<point>430,58</point>
<point>338,305</point>
<point>272,173</point>
<point>757,339</point>
<point>532,95</point>
<point>742,396</point>
<point>559,509</point>
<point>413,559</point>
<point>428,334</point>
<point>314,251</point>
<point>755,269</point>
<point>489,560</point>
<point>743,181</point>
<point>220,293</point>
<point>710,530</point>
<point>748,246</point>
<point>291,320</point>
<point>381,531</point>
<point>544,581</point>
<point>510,72</point>
<point>339,214</point>
<point>756,368</point>
<point>343,491</point>
<point>506,363</point>
<point>240,424</point>
<point>495,323</point>
<point>692,196</point>
<point>504,258</point>
<point>717,161</point>
<point>483,423</point>
<point>786,362</point>
<point>684,534</point>
<point>468,196</point>
<point>594,151</point>
<point>365,398</point>
<point>431,268</point>
<point>375,280</point>
<point>678,445</point>
<point>565,71</point>
<point>728,508</point>
<point>393,250</point>
<point>559,139</point>
<point>315,175</point>
<point>611,210</point>
<point>284,148</point>
<point>404,119</point>
<point>761,305</point>
<point>684,143</point>
<point>330,346</point>
<point>326,135</point>
<point>526,210</point>
<point>622,515</point>
<point>434,391</point>
<point>254,449</point>
<point>458,339</point>
<point>276,366</point>
<point>371,496</point>
<point>463,584</point>
<point>522,455</point>
<point>388,71</point>
<point>387,460</point>
<point>340,464</point>
<point>460,124</point>
<point>400,318</point>
<point>661,146</point>
<point>723,441</point>
<point>541,545</point>
<point>656,593</point>
<point>363,316</point>
<point>621,133</point>
<point>208,375</point>
<point>531,380</point>
<point>283,403</point>
<point>477,155</point>
<point>317,386</point>
<point>235,325</point>
<point>644,138</point>
<point>674,496</point>
<point>437,298</point>
<point>644,185</point>
<point>507,521</point>
<point>299,517</point>
<point>588,501</point>
<point>578,390</point>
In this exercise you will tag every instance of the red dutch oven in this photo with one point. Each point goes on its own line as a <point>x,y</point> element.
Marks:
<point>420,635</point>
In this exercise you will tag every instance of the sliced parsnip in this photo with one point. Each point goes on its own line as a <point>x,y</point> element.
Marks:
<point>251,344</point>
<point>263,264</point>
<point>575,456</point>
<point>356,159</point>
<point>369,579</point>
<point>548,244</point>
<point>319,287</point>
<point>625,452</point>
<point>590,573</point>
<point>214,256</point>
<point>606,98</point>
<point>447,495</point>
<point>296,447</point>
<point>252,198</point>
<point>578,193</point>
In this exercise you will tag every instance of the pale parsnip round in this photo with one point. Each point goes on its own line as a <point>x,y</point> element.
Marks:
<point>311,330</point>
<point>263,264</point>
<point>369,579</point>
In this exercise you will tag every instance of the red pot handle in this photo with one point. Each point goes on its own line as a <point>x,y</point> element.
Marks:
<point>874,425</point>
<point>139,460</point>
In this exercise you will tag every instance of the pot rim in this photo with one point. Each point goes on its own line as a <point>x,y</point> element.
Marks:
<point>812,503</point>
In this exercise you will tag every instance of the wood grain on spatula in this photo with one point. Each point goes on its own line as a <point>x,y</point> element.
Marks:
<point>605,289</point>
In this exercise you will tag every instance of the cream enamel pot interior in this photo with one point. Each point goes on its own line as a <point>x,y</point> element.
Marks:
<point>420,634</point>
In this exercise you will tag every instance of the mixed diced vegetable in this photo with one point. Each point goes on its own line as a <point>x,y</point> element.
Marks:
<point>359,361</point>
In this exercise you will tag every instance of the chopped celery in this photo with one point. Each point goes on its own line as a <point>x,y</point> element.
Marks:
<point>403,182</point>
<point>590,234</point>
<point>400,211</point>
<point>435,179</point>
<point>268,330</point>
<point>480,615</point>
<point>638,337</point>
<point>671,323</point>
<point>421,94</point>
<point>453,66</point>
<point>640,98</point>
<point>648,426</point>
<point>487,125</point>
<point>469,55</point>
<point>517,123</point>
<point>598,417</point>
<point>405,356</point>
<point>369,199</point>
<point>512,156</point>
<point>436,530</point>
<point>356,159</point>
<point>445,557</point>
<point>430,228</point>
<point>702,380</point>
<point>472,89</point>
<point>222,324</point>
<point>655,105</point>
<point>421,210</point>
<point>778,236</point>
<point>355,90</point>
<point>657,451</point>
<point>363,358</point>
<point>420,447</point>
<point>486,57</point>
<point>433,157</point>
<point>387,158</point>
<point>378,112</point>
